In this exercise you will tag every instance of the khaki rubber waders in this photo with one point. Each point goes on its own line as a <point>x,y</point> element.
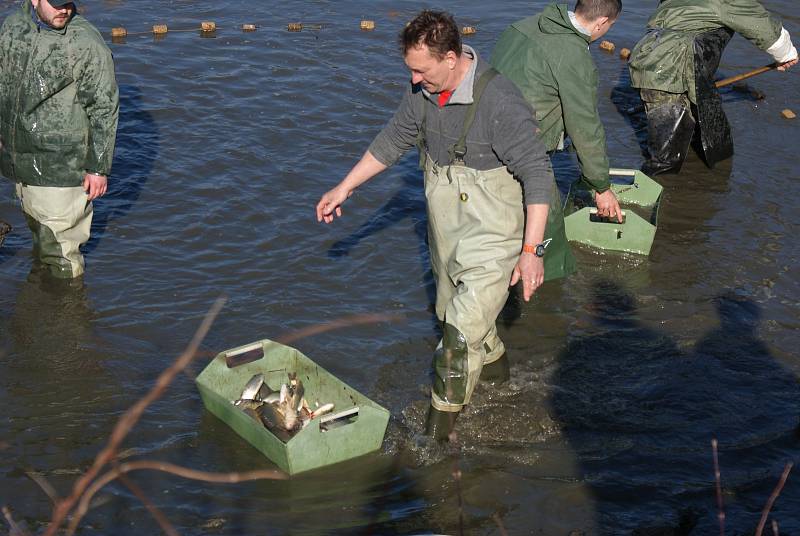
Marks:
<point>476,224</point>
<point>60,219</point>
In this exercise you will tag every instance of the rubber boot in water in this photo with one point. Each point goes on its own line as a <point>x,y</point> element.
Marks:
<point>670,128</point>
<point>440,423</point>
<point>496,372</point>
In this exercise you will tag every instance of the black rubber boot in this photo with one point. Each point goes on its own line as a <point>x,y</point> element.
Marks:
<point>496,372</point>
<point>439,424</point>
<point>670,128</point>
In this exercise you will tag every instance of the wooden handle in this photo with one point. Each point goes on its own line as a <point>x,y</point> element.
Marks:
<point>744,76</point>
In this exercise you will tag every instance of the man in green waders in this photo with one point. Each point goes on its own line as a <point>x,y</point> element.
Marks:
<point>547,57</point>
<point>475,135</point>
<point>673,66</point>
<point>59,108</point>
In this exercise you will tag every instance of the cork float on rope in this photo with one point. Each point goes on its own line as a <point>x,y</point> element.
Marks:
<point>607,46</point>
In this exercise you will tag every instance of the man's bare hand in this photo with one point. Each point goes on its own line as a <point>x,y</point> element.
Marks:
<point>787,65</point>
<point>607,205</point>
<point>331,203</point>
<point>95,185</point>
<point>530,269</point>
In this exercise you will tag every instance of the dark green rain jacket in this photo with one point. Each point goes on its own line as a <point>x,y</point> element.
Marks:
<point>664,58</point>
<point>549,60</point>
<point>59,102</point>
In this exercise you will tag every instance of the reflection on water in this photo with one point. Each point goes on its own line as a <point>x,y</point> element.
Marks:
<point>621,374</point>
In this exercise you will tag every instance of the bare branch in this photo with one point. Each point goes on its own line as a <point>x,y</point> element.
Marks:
<point>352,320</point>
<point>193,474</point>
<point>160,518</point>
<point>129,420</point>
<point>773,498</point>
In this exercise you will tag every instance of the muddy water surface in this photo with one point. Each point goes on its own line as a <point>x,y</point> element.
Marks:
<point>621,375</point>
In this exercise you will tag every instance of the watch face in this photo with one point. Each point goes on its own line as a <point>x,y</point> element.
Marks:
<point>539,250</point>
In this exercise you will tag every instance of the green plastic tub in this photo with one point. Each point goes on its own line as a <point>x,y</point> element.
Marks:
<point>639,199</point>
<point>355,427</point>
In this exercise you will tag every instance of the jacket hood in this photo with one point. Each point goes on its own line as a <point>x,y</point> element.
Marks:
<point>555,20</point>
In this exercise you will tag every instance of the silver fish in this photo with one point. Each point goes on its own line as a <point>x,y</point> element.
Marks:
<point>251,388</point>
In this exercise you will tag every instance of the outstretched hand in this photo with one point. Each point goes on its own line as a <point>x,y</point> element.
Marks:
<point>331,203</point>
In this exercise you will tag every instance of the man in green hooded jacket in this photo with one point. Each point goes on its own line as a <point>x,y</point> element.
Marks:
<point>673,66</point>
<point>547,57</point>
<point>59,107</point>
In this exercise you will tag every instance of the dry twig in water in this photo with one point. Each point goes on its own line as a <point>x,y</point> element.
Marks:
<point>157,514</point>
<point>717,478</point>
<point>499,521</point>
<point>16,530</point>
<point>46,486</point>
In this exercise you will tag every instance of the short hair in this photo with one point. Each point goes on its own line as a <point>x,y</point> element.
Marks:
<point>435,29</point>
<point>594,9</point>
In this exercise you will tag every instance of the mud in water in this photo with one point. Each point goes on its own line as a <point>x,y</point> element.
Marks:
<point>621,376</point>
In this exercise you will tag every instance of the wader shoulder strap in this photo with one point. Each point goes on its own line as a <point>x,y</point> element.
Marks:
<point>459,150</point>
<point>423,151</point>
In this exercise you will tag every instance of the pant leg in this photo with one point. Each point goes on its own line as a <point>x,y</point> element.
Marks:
<point>476,224</point>
<point>670,128</point>
<point>60,220</point>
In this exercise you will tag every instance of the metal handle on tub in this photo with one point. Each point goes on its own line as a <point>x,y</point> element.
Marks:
<point>244,355</point>
<point>336,420</point>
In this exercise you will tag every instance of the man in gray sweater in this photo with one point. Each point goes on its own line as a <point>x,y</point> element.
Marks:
<point>480,238</point>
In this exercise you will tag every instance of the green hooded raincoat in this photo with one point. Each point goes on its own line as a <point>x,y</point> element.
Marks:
<point>59,102</point>
<point>549,60</point>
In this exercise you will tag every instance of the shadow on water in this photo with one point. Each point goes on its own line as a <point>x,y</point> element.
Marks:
<point>640,413</point>
<point>137,147</point>
<point>407,202</point>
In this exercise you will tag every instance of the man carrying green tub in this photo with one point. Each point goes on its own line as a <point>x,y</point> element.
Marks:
<point>480,238</point>
<point>547,57</point>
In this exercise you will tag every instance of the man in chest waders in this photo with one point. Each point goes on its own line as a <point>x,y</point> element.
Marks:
<point>474,132</point>
<point>673,66</point>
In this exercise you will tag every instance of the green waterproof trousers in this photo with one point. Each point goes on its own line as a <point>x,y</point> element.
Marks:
<point>475,233</point>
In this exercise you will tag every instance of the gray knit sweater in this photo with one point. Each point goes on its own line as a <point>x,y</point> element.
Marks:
<point>504,132</point>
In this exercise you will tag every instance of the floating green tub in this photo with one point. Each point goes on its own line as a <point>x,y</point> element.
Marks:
<point>635,234</point>
<point>355,427</point>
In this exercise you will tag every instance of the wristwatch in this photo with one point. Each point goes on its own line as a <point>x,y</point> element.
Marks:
<point>537,250</point>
